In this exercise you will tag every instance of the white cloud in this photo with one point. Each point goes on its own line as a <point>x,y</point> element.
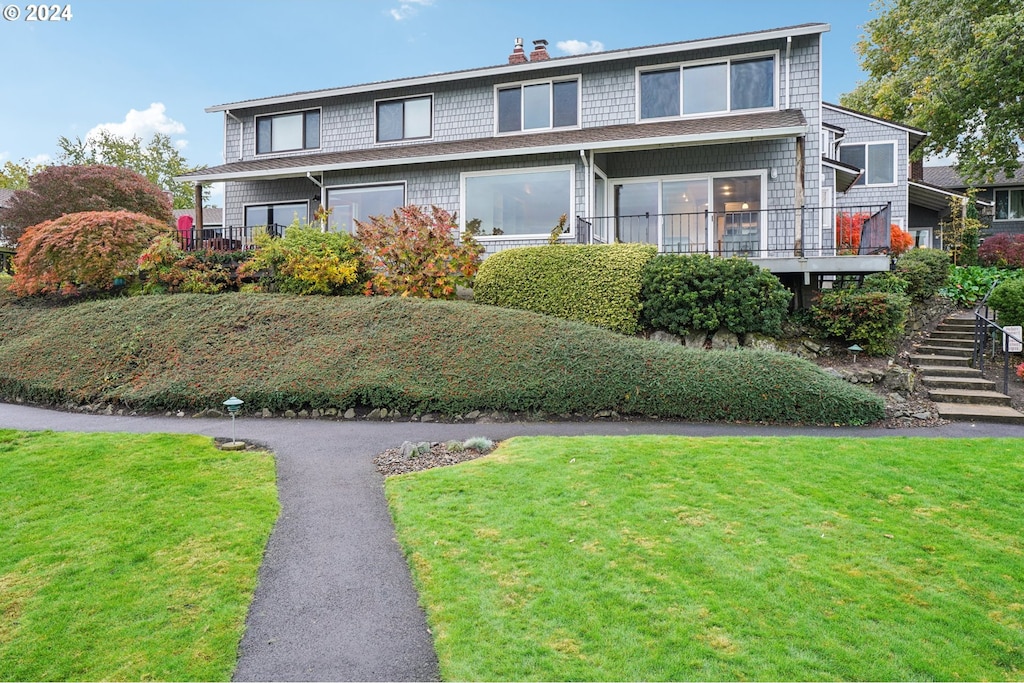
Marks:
<point>408,8</point>
<point>141,124</point>
<point>3,156</point>
<point>579,47</point>
<point>40,160</point>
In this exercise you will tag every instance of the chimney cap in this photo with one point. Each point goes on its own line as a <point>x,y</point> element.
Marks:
<point>540,43</point>
<point>519,42</point>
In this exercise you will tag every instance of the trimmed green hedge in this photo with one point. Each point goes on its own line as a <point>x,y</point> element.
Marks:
<point>289,352</point>
<point>697,292</point>
<point>596,284</point>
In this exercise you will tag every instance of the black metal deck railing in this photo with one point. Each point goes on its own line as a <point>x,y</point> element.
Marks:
<point>810,231</point>
<point>986,330</point>
<point>228,238</point>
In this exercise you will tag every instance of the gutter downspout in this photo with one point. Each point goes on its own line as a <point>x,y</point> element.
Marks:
<point>587,181</point>
<point>789,82</point>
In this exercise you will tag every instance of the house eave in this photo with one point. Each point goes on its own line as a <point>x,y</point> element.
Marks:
<point>637,144</point>
<point>519,69</point>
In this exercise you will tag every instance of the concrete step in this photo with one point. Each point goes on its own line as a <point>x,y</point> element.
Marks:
<point>945,337</point>
<point>973,396</point>
<point>932,359</point>
<point>941,382</point>
<point>945,350</point>
<point>971,412</point>
<point>947,371</point>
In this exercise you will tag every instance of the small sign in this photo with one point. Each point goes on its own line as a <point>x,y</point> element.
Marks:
<point>1013,333</point>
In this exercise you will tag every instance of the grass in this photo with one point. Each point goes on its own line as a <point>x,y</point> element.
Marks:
<point>284,352</point>
<point>127,557</point>
<point>673,558</point>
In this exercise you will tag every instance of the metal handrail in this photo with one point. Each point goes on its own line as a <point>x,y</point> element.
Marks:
<point>982,329</point>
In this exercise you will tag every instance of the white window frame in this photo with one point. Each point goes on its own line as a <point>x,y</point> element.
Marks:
<point>551,107</point>
<point>256,132</point>
<point>1007,190</point>
<point>360,186</point>
<point>516,171</point>
<point>376,103</point>
<point>710,177</point>
<point>728,111</point>
<point>895,161</point>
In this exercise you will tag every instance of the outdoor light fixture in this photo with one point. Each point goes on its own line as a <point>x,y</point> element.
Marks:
<point>233,404</point>
<point>854,350</point>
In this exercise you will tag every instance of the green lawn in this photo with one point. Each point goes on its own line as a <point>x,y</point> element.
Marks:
<point>671,558</point>
<point>127,557</point>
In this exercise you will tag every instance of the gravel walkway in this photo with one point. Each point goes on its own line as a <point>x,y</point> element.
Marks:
<point>335,600</point>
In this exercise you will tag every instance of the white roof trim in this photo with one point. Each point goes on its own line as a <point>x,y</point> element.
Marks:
<point>603,146</point>
<point>519,69</point>
<point>867,117</point>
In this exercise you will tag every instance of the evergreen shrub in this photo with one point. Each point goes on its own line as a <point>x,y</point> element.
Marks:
<point>925,270</point>
<point>597,284</point>
<point>1008,300</point>
<point>872,320</point>
<point>697,292</point>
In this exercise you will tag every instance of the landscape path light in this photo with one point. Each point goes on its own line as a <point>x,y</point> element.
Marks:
<point>233,404</point>
<point>854,350</point>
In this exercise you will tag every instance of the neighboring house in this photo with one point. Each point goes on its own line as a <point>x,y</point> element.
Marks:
<point>880,151</point>
<point>710,146</point>
<point>213,216</point>
<point>6,251</point>
<point>1002,199</point>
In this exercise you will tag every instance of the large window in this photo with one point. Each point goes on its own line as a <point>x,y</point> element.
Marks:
<point>538,106</point>
<point>711,87</point>
<point>517,203</point>
<point>876,159</point>
<point>350,204</point>
<point>276,216</point>
<point>288,132</point>
<point>1009,205</point>
<point>407,119</point>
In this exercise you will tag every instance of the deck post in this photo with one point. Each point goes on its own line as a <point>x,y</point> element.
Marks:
<point>197,226</point>
<point>798,197</point>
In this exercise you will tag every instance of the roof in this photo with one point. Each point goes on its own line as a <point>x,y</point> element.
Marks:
<point>519,69</point>
<point>212,215</point>
<point>946,176</point>
<point>846,174</point>
<point>5,197</point>
<point>916,135</point>
<point>929,196</point>
<point>718,129</point>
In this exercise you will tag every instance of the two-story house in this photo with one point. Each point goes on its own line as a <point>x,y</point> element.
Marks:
<point>710,146</point>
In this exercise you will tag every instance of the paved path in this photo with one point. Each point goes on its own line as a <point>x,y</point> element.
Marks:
<point>335,600</point>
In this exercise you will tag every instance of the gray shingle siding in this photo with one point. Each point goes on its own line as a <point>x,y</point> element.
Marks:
<point>465,110</point>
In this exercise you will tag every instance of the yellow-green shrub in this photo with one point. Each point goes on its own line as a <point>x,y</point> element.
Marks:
<point>596,284</point>
<point>308,261</point>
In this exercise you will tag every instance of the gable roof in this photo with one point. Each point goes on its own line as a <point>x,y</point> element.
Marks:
<point>528,67</point>
<point>946,176</point>
<point>718,129</point>
<point>916,135</point>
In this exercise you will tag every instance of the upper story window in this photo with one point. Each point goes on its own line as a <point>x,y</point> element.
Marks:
<point>406,119</point>
<point>288,132</point>
<point>1009,205</point>
<point>721,86</point>
<point>538,106</point>
<point>877,159</point>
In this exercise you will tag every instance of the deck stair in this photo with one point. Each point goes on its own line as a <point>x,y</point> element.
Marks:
<point>959,391</point>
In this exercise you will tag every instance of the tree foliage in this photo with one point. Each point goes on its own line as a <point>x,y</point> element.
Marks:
<point>848,231</point>
<point>59,190</point>
<point>83,252</point>
<point>158,160</point>
<point>308,260</point>
<point>414,253</point>
<point>15,175</point>
<point>954,68</point>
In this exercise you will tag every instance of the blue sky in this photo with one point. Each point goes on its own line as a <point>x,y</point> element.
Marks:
<point>141,66</point>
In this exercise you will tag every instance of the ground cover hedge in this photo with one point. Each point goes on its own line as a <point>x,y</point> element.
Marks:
<point>596,283</point>
<point>287,352</point>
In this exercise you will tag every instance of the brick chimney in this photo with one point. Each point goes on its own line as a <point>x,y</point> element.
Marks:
<point>917,170</point>
<point>517,56</point>
<point>540,51</point>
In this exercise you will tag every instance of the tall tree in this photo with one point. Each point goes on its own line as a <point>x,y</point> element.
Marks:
<point>158,160</point>
<point>954,68</point>
<point>15,175</point>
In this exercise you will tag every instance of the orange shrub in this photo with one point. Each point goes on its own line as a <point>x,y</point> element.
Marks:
<point>82,252</point>
<point>848,227</point>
